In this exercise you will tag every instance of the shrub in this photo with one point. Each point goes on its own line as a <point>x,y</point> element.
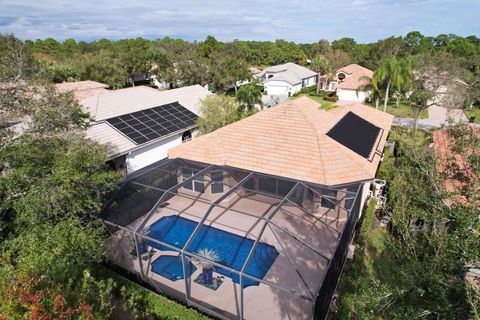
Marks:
<point>333,98</point>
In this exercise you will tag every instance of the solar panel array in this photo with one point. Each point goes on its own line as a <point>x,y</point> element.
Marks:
<point>355,133</point>
<point>146,125</point>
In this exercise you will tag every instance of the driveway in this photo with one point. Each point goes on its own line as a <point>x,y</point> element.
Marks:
<point>437,117</point>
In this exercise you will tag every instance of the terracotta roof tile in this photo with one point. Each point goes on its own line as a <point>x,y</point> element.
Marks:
<point>441,145</point>
<point>354,73</point>
<point>289,140</point>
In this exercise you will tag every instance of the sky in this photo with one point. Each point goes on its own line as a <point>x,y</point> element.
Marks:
<point>301,21</point>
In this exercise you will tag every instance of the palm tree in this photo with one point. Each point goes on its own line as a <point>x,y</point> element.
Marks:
<point>375,94</point>
<point>384,76</point>
<point>249,95</point>
<point>403,78</point>
<point>321,65</point>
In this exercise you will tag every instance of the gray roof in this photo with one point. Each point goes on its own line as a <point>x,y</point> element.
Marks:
<point>289,72</point>
<point>123,101</point>
<point>118,102</point>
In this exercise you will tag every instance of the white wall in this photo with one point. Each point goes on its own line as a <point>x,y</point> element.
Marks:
<point>310,81</point>
<point>365,189</point>
<point>352,95</point>
<point>294,89</point>
<point>154,152</point>
<point>277,88</point>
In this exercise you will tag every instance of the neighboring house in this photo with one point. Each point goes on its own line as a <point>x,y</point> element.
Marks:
<point>254,72</point>
<point>139,124</point>
<point>274,197</point>
<point>83,89</point>
<point>453,182</point>
<point>286,79</point>
<point>348,83</point>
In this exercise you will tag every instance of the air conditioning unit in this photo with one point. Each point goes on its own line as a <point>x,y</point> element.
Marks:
<point>378,186</point>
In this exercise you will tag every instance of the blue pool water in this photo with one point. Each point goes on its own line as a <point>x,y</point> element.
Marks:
<point>171,267</point>
<point>232,249</point>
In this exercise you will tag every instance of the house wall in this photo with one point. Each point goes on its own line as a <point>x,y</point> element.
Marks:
<point>277,88</point>
<point>310,81</point>
<point>352,95</point>
<point>294,89</point>
<point>365,190</point>
<point>154,152</point>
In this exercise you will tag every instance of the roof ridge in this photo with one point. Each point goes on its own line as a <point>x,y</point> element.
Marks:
<point>315,130</point>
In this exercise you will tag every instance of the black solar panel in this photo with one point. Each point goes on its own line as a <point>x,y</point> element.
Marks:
<point>355,133</point>
<point>150,124</point>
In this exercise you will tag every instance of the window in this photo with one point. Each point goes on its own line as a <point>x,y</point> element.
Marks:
<point>186,136</point>
<point>217,181</point>
<point>341,76</point>
<point>197,184</point>
<point>329,199</point>
<point>267,185</point>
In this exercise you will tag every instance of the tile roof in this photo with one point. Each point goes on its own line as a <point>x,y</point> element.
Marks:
<point>83,89</point>
<point>441,146</point>
<point>290,140</point>
<point>128,100</point>
<point>354,73</point>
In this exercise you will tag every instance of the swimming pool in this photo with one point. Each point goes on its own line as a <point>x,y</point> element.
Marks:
<point>171,267</point>
<point>232,249</point>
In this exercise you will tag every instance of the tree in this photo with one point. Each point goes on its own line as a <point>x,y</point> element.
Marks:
<point>375,90</point>
<point>249,95</point>
<point>216,112</point>
<point>322,66</point>
<point>225,71</point>
<point>384,76</point>
<point>52,180</point>
<point>103,67</point>
<point>403,78</point>
<point>190,70</point>
<point>338,58</point>
<point>437,82</point>
<point>208,47</point>
<point>132,56</point>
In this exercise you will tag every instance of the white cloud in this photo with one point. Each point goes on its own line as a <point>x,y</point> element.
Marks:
<point>297,20</point>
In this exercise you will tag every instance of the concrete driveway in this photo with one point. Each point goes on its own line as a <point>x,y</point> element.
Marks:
<point>437,117</point>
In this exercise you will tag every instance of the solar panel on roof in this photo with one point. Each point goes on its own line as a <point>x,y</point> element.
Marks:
<point>146,125</point>
<point>355,133</point>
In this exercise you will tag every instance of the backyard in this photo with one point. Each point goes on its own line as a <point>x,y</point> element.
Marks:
<point>265,233</point>
<point>400,271</point>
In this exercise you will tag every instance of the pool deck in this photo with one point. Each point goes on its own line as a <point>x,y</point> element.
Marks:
<point>321,233</point>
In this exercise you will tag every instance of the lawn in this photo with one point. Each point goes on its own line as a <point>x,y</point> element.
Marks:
<point>403,110</point>
<point>475,112</point>
<point>311,93</point>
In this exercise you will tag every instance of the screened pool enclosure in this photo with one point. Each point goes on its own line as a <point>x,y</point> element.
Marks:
<point>233,243</point>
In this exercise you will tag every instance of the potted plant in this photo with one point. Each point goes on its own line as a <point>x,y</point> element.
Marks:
<point>207,267</point>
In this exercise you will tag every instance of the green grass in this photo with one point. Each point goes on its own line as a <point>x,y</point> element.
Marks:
<point>312,94</point>
<point>158,306</point>
<point>475,112</point>
<point>403,110</point>
<point>370,268</point>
